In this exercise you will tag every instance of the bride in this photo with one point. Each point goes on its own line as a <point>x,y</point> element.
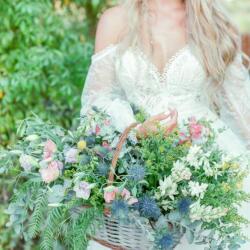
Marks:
<point>174,59</point>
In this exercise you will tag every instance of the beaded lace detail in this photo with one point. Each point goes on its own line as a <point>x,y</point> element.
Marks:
<point>162,76</point>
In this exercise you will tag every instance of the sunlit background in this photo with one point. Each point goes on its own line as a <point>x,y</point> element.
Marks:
<point>45,50</point>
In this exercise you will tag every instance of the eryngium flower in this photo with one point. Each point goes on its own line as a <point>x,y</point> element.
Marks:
<point>136,173</point>
<point>119,209</point>
<point>148,208</point>
<point>184,205</point>
<point>165,242</point>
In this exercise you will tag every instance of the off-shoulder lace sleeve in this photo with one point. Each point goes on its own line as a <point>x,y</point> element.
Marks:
<point>102,90</point>
<point>234,100</point>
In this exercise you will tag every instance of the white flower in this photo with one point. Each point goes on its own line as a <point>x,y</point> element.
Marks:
<point>205,213</point>
<point>168,187</point>
<point>197,189</point>
<point>206,166</point>
<point>185,191</point>
<point>180,171</point>
<point>27,162</point>
<point>71,155</point>
<point>193,156</point>
<point>83,189</point>
<point>167,205</point>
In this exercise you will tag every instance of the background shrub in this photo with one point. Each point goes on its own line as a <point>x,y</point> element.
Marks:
<point>45,50</point>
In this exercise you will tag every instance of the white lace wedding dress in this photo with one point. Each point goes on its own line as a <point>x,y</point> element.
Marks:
<point>115,81</point>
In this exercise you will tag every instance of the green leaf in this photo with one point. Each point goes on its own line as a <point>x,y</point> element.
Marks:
<point>189,236</point>
<point>174,216</point>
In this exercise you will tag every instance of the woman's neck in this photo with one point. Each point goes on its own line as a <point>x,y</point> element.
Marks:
<point>161,4</point>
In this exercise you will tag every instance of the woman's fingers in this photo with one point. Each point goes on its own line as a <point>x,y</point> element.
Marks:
<point>160,117</point>
<point>166,119</point>
<point>172,123</point>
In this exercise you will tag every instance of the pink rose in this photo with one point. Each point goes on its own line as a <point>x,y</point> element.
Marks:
<point>110,193</point>
<point>49,149</point>
<point>195,129</point>
<point>125,194</point>
<point>183,138</point>
<point>106,145</point>
<point>97,129</point>
<point>107,122</point>
<point>51,172</point>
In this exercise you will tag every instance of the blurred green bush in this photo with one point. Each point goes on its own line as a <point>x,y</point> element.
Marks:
<point>44,57</point>
<point>45,51</point>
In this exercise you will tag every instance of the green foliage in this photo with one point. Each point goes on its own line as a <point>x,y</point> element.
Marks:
<point>55,216</point>
<point>239,9</point>
<point>159,153</point>
<point>38,215</point>
<point>82,226</point>
<point>43,63</point>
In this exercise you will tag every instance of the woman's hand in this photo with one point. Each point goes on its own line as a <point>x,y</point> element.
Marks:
<point>151,125</point>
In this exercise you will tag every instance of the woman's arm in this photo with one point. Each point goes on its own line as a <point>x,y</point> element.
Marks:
<point>234,100</point>
<point>111,27</point>
<point>101,88</point>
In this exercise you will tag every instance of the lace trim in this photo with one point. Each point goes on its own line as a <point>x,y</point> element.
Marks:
<point>162,76</point>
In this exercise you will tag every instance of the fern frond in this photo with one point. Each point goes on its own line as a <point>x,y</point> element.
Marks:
<point>27,189</point>
<point>50,234</point>
<point>81,228</point>
<point>38,214</point>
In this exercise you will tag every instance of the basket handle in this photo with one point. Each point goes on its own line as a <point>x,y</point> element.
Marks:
<point>118,149</point>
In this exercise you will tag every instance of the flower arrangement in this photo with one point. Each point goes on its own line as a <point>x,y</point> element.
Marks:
<point>179,184</point>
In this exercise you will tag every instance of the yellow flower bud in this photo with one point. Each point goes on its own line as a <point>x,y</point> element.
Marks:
<point>239,185</point>
<point>226,166</point>
<point>1,94</point>
<point>226,187</point>
<point>81,145</point>
<point>235,166</point>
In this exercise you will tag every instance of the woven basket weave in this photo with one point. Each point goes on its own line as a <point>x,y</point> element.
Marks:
<point>120,236</point>
<point>115,234</point>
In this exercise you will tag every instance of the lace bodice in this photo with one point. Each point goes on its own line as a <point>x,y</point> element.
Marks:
<point>115,82</point>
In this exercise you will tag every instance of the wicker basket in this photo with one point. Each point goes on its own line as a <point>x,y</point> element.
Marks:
<point>120,236</point>
<point>113,233</point>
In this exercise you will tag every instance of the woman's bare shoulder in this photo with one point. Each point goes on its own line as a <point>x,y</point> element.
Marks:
<point>110,27</point>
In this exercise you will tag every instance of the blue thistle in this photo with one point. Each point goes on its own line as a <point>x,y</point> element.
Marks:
<point>103,169</point>
<point>119,209</point>
<point>148,208</point>
<point>184,205</point>
<point>166,242</point>
<point>136,173</point>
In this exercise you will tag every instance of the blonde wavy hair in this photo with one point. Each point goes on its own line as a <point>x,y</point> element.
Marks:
<point>212,34</point>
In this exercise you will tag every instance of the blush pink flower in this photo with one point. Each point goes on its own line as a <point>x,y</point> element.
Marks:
<point>195,129</point>
<point>51,172</point>
<point>49,149</point>
<point>97,129</point>
<point>183,138</point>
<point>125,194</point>
<point>110,193</point>
<point>107,122</point>
<point>127,197</point>
<point>106,145</point>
